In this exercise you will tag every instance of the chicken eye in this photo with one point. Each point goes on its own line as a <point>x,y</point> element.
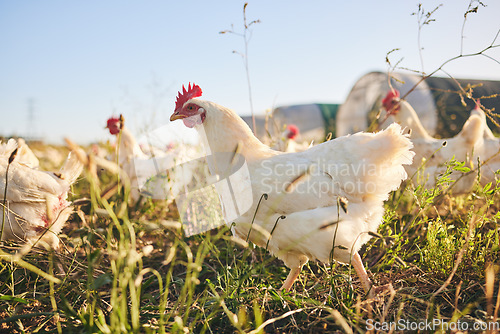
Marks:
<point>190,108</point>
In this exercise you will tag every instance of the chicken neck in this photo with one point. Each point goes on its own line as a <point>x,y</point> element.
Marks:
<point>224,131</point>
<point>407,116</point>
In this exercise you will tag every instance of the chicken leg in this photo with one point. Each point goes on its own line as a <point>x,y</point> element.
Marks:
<point>357,263</point>
<point>292,276</point>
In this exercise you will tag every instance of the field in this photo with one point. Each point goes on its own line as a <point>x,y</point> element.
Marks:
<point>135,268</point>
<point>123,269</point>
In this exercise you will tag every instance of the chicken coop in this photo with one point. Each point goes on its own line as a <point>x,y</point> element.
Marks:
<point>436,101</point>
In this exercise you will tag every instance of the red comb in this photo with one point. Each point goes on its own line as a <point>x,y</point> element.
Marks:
<point>478,104</point>
<point>293,131</point>
<point>390,96</point>
<point>191,92</point>
<point>112,120</point>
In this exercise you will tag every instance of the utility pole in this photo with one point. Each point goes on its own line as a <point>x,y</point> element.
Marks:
<point>31,124</point>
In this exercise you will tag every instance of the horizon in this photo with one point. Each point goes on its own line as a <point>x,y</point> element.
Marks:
<point>67,67</point>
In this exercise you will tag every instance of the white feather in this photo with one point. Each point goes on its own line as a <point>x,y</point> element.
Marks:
<point>36,203</point>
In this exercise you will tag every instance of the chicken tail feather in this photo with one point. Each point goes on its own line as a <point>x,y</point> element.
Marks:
<point>390,150</point>
<point>72,168</point>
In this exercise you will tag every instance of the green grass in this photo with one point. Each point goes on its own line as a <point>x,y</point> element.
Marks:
<point>124,270</point>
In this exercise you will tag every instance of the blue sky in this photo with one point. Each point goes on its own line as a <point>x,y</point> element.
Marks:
<point>82,61</point>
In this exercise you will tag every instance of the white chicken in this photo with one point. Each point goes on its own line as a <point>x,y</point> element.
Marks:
<point>490,152</point>
<point>25,155</point>
<point>432,154</point>
<point>488,134</point>
<point>35,207</point>
<point>288,141</point>
<point>299,216</point>
<point>171,178</point>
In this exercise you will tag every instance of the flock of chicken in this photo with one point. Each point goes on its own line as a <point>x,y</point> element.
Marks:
<point>319,202</point>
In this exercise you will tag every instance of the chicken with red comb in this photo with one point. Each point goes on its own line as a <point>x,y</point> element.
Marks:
<point>431,155</point>
<point>114,125</point>
<point>287,142</point>
<point>190,117</point>
<point>294,196</point>
<point>491,148</point>
<point>391,101</point>
<point>192,92</point>
<point>142,164</point>
<point>292,131</point>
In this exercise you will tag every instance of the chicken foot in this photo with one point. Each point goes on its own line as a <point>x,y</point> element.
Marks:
<point>292,276</point>
<point>357,263</point>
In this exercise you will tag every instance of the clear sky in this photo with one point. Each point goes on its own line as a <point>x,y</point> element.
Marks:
<point>79,62</point>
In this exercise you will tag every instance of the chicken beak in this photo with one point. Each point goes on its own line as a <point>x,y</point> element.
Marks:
<point>176,115</point>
